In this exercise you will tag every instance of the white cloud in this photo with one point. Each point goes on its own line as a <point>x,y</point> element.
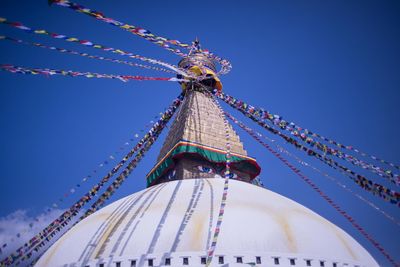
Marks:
<point>20,222</point>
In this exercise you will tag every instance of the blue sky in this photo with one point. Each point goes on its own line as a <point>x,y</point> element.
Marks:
<point>330,66</point>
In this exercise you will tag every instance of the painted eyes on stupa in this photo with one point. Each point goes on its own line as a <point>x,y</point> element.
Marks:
<point>205,169</point>
<point>232,175</point>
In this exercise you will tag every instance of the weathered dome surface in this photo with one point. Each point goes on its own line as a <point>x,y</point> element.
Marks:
<point>172,221</point>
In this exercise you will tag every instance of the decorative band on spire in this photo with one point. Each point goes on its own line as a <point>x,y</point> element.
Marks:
<point>241,162</point>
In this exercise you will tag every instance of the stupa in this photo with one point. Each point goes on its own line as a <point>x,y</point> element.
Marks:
<point>171,222</point>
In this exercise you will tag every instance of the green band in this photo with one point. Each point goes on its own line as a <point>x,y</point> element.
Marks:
<point>243,163</point>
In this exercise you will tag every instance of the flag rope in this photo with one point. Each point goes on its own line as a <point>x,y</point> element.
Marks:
<point>73,190</point>
<point>50,72</point>
<point>320,192</point>
<point>385,193</point>
<point>333,179</point>
<point>166,43</point>
<point>26,251</point>
<point>227,174</point>
<point>72,52</point>
<point>88,43</point>
<point>307,137</point>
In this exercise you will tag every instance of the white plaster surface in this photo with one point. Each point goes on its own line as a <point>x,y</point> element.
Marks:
<point>172,220</point>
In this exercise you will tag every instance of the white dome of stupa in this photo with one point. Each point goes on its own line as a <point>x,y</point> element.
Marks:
<point>172,224</point>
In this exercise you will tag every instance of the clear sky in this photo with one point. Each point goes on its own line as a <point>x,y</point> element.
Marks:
<point>330,66</point>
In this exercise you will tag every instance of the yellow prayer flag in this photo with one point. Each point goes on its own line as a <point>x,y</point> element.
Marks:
<point>40,32</point>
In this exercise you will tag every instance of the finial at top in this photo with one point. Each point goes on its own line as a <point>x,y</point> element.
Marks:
<point>199,64</point>
<point>195,47</point>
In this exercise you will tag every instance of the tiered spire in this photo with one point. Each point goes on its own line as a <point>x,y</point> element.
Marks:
<point>196,143</point>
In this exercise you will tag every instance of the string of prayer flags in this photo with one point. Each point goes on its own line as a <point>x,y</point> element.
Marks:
<point>125,173</point>
<point>70,73</point>
<point>80,184</point>
<point>306,136</point>
<point>160,125</point>
<point>63,50</point>
<point>168,44</point>
<point>112,188</point>
<point>376,189</point>
<point>369,203</point>
<point>320,192</point>
<point>146,145</point>
<point>146,34</point>
<point>217,230</point>
<point>306,164</point>
<point>20,26</point>
<point>49,231</point>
